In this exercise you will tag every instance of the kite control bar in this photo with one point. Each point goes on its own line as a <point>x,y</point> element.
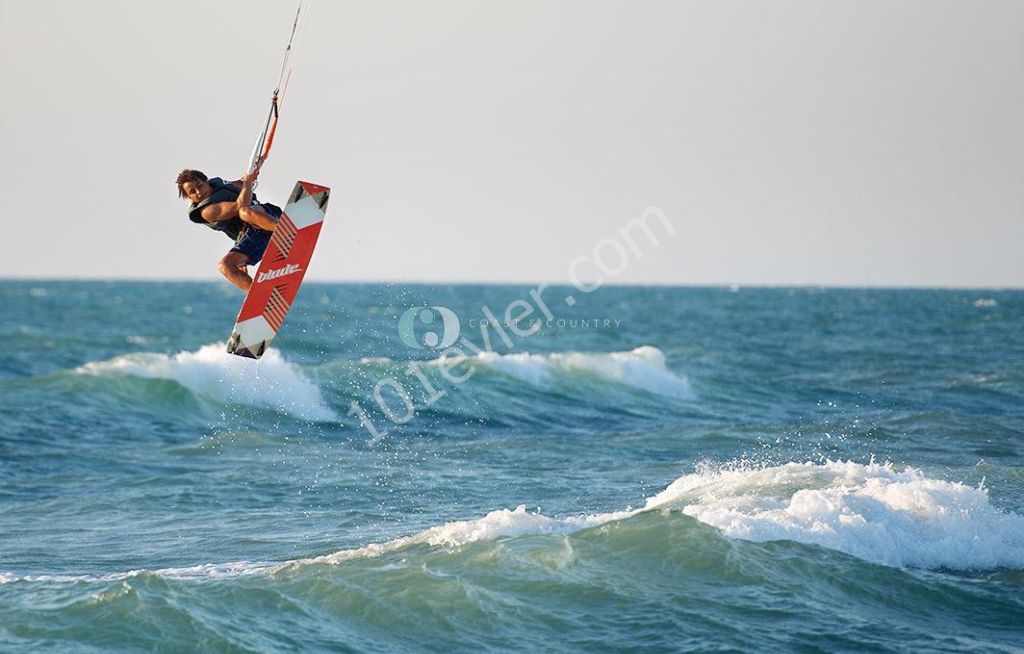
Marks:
<point>265,140</point>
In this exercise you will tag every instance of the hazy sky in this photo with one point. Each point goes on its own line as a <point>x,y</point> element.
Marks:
<point>789,142</point>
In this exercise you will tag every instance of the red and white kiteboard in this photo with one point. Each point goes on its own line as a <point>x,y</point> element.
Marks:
<point>280,273</point>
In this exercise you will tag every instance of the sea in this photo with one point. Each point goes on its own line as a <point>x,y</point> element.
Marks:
<point>512,468</point>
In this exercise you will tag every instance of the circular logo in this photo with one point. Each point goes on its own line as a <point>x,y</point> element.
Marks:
<point>428,327</point>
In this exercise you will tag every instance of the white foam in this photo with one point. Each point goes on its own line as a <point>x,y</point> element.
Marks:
<point>496,524</point>
<point>643,368</point>
<point>205,571</point>
<point>874,512</point>
<point>211,371</point>
<point>374,360</point>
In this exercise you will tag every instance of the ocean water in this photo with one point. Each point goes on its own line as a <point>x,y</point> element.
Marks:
<point>650,470</point>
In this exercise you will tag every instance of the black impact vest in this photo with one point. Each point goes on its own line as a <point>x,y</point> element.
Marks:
<point>221,193</point>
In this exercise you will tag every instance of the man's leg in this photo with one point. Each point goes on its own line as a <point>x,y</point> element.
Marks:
<point>233,267</point>
<point>256,215</point>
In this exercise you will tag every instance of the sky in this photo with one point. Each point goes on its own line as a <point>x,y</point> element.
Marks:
<point>791,142</point>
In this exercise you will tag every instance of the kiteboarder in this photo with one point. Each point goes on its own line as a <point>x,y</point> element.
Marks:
<point>231,208</point>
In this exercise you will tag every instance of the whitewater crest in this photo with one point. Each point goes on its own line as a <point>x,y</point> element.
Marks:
<point>211,371</point>
<point>642,368</point>
<point>900,518</point>
<point>874,512</point>
<point>503,523</point>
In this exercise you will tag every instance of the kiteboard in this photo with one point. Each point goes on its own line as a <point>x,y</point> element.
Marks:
<point>280,273</point>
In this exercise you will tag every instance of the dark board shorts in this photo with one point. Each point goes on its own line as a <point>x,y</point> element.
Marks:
<point>253,241</point>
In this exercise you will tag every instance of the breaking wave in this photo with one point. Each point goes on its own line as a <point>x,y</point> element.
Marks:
<point>874,512</point>
<point>898,518</point>
<point>642,368</point>
<point>211,371</point>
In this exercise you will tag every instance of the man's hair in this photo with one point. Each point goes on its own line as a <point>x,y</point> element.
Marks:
<point>187,175</point>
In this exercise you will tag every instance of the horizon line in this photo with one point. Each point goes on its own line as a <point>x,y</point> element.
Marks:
<point>624,284</point>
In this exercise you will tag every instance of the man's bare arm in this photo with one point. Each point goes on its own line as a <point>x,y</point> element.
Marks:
<point>244,199</point>
<point>219,211</point>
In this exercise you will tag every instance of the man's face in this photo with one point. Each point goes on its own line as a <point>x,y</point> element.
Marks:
<point>197,191</point>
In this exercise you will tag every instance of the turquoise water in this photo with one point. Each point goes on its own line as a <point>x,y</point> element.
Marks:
<point>655,469</point>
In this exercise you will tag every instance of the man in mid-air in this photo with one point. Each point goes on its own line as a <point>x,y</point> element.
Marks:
<point>231,207</point>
